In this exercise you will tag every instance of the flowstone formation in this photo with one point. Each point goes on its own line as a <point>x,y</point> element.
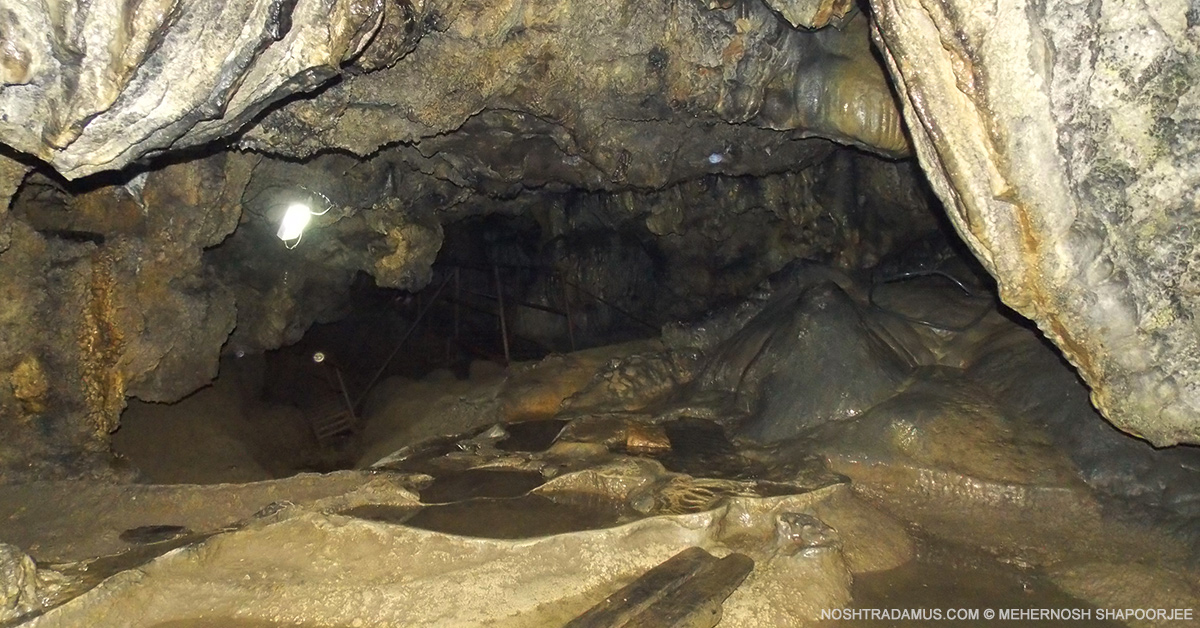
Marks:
<point>844,403</point>
<point>135,289</point>
<point>104,299</point>
<point>1062,138</point>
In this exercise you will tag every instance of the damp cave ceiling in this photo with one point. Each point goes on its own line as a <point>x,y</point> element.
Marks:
<point>1062,137</point>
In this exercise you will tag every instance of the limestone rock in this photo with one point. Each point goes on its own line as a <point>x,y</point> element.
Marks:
<point>1123,585</point>
<point>105,298</point>
<point>414,248</point>
<point>601,94</point>
<point>810,357</point>
<point>813,13</point>
<point>1062,138</point>
<point>94,86</point>
<point>18,584</point>
<point>545,580</point>
<point>587,92</point>
<point>1023,372</point>
<point>12,173</point>
<point>940,422</point>
<point>53,330</point>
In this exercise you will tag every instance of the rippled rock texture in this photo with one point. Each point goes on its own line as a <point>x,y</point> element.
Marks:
<point>916,381</point>
<point>574,475</point>
<point>93,86</point>
<point>1063,139</point>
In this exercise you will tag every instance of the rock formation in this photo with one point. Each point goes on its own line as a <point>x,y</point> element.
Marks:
<point>1062,138</point>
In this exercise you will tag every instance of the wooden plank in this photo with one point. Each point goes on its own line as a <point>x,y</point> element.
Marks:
<point>640,594</point>
<point>696,604</point>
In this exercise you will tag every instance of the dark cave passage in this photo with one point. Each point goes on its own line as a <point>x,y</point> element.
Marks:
<point>577,272</point>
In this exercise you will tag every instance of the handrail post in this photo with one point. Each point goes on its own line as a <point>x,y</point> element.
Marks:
<point>570,318</point>
<point>453,344</point>
<point>457,299</point>
<point>346,396</point>
<point>503,323</point>
<point>403,339</point>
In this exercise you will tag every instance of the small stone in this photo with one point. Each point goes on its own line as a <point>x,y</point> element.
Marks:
<point>646,439</point>
<point>805,532</point>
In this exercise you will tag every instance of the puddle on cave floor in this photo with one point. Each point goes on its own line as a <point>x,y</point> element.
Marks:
<point>84,576</point>
<point>457,486</point>
<point>700,447</point>
<point>941,578</point>
<point>524,517</point>
<point>945,579</point>
<point>521,437</point>
<point>531,436</point>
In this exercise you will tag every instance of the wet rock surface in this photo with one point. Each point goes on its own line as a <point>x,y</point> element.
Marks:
<point>398,119</point>
<point>19,574</point>
<point>790,364</point>
<point>84,106</point>
<point>618,133</point>
<point>985,409</point>
<point>506,182</point>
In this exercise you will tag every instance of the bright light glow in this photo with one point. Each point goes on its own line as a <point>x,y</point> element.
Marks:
<point>319,357</point>
<point>294,221</point>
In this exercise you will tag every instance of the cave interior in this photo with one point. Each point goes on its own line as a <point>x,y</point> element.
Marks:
<point>678,313</point>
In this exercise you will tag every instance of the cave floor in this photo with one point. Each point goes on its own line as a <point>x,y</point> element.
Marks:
<point>485,536</point>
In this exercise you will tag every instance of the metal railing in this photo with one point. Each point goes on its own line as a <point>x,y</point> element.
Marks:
<point>454,275</point>
<point>335,419</point>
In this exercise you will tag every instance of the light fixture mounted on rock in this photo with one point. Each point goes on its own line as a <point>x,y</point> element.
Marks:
<point>296,218</point>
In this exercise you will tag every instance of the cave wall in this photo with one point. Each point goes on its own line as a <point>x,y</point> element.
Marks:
<point>12,173</point>
<point>718,237</point>
<point>90,86</point>
<point>1064,140</point>
<point>105,296</point>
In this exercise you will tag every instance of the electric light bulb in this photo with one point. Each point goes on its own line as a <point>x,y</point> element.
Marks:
<point>295,219</point>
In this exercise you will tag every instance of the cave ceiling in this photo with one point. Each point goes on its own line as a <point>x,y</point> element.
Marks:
<point>1061,137</point>
<point>595,93</point>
